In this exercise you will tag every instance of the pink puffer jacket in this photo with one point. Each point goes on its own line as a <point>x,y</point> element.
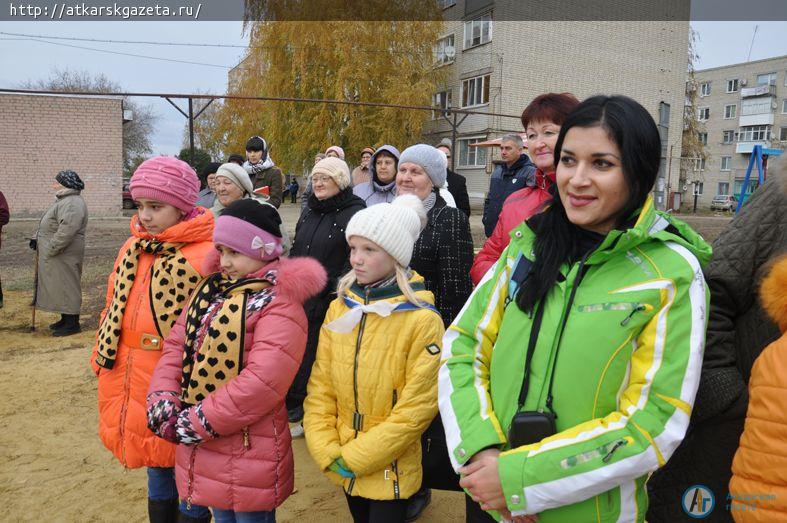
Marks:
<point>224,472</point>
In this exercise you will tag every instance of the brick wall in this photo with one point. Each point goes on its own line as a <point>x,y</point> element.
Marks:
<point>42,135</point>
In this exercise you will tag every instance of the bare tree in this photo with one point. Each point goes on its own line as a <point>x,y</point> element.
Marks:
<point>136,133</point>
<point>693,154</point>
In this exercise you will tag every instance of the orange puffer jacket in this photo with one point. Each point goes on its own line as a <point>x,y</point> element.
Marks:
<point>122,390</point>
<point>758,489</point>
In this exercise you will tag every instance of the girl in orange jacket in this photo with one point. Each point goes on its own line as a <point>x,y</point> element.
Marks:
<point>154,274</point>
<point>758,489</point>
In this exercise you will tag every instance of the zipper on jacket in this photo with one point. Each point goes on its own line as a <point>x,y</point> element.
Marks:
<point>616,446</point>
<point>124,407</point>
<point>145,285</point>
<point>190,487</point>
<point>396,479</point>
<point>627,319</point>
<point>357,354</point>
<point>246,438</point>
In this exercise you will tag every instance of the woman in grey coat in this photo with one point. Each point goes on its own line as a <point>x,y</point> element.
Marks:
<point>60,241</point>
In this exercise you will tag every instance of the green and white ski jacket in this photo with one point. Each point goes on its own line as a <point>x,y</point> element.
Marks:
<point>625,379</point>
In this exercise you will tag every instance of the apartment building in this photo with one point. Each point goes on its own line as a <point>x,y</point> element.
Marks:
<point>497,63</point>
<point>739,106</point>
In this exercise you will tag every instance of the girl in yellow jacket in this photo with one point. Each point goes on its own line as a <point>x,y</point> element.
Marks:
<point>373,387</point>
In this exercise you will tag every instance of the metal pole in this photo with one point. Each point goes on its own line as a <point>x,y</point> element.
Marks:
<point>191,131</point>
<point>669,177</point>
<point>453,142</point>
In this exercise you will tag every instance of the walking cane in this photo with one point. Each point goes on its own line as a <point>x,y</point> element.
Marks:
<point>35,294</point>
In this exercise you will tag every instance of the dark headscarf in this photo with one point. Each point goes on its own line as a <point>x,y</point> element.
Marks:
<point>70,180</point>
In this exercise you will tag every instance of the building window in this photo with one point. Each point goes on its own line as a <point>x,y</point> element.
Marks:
<point>784,106</point>
<point>705,89</point>
<point>783,134</point>
<point>442,100</point>
<point>726,162</point>
<point>759,105</point>
<point>702,138</point>
<point>471,156</point>
<point>699,164</point>
<point>732,85</point>
<point>730,111</point>
<point>703,113</point>
<point>728,137</point>
<point>753,184</point>
<point>444,50</point>
<point>753,133</point>
<point>766,79</point>
<point>475,91</point>
<point>724,188</point>
<point>698,186</point>
<point>478,31</point>
<point>445,4</point>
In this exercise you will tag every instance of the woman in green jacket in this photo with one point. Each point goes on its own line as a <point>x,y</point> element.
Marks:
<point>570,374</point>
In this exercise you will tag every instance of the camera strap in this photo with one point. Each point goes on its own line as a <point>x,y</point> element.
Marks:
<point>531,349</point>
<point>534,331</point>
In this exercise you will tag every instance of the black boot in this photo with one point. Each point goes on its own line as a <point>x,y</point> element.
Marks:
<point>183,518</point>
<point>59,323</point>
<point>69,327</point>
<point>417,504</point>
<point>163,511</point>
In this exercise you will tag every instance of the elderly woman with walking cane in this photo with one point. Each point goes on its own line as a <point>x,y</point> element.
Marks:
<point>60,246</point>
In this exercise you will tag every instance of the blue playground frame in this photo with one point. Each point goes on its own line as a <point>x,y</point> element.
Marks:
<point>757,154</point>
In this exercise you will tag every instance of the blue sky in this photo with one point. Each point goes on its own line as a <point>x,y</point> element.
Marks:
<point>719,43</point>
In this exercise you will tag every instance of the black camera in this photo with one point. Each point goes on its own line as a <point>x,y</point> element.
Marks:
<point>530,427</point>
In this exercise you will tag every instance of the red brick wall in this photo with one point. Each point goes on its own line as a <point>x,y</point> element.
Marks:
<point>42,135</point>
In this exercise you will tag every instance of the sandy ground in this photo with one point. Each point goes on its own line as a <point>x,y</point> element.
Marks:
<point>52,464</point>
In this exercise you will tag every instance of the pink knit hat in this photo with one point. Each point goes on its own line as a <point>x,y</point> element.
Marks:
<point>338,150</point>
<point>166,179</point>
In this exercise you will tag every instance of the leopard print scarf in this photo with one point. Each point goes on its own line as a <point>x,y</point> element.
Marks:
<point>213,353</point>
<point>172,280</point>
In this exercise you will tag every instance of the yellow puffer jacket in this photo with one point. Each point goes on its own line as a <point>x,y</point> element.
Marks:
<point>373,391</point>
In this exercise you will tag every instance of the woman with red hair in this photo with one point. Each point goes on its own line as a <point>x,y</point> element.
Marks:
<point>542,120</point>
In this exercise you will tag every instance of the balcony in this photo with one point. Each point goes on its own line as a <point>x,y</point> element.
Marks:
<point>760,90</point>
<point>756,119</point>
<point>746,147</point>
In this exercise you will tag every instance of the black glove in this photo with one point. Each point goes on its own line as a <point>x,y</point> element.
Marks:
<point>33,244</point>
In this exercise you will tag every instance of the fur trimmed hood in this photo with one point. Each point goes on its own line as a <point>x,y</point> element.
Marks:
<point>773,293</point>
<point>298,278</point>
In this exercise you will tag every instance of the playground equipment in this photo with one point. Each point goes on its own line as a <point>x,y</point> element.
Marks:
<point>759,156</point>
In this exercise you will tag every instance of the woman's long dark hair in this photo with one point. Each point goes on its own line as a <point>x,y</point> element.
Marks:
<point>632,128</point>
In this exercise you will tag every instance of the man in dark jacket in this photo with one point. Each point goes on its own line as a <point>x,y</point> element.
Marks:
<point>457,184</point>
<point>738,330</point>
<point>4,217</point>
<point>262,171</point>
<point>516,172</point>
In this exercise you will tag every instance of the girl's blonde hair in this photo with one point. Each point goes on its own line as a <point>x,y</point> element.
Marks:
<point>402,281</point>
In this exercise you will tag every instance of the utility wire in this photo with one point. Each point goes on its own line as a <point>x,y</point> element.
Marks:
<point>119,53</point>
<point>194,44</point>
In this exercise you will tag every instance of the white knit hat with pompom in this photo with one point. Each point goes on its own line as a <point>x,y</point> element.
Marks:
<point>394,226</point>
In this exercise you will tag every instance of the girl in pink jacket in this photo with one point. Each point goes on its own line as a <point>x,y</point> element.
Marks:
<point>219,387</point>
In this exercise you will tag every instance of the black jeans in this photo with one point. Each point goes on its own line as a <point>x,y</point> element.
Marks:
<point>375,511</point>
